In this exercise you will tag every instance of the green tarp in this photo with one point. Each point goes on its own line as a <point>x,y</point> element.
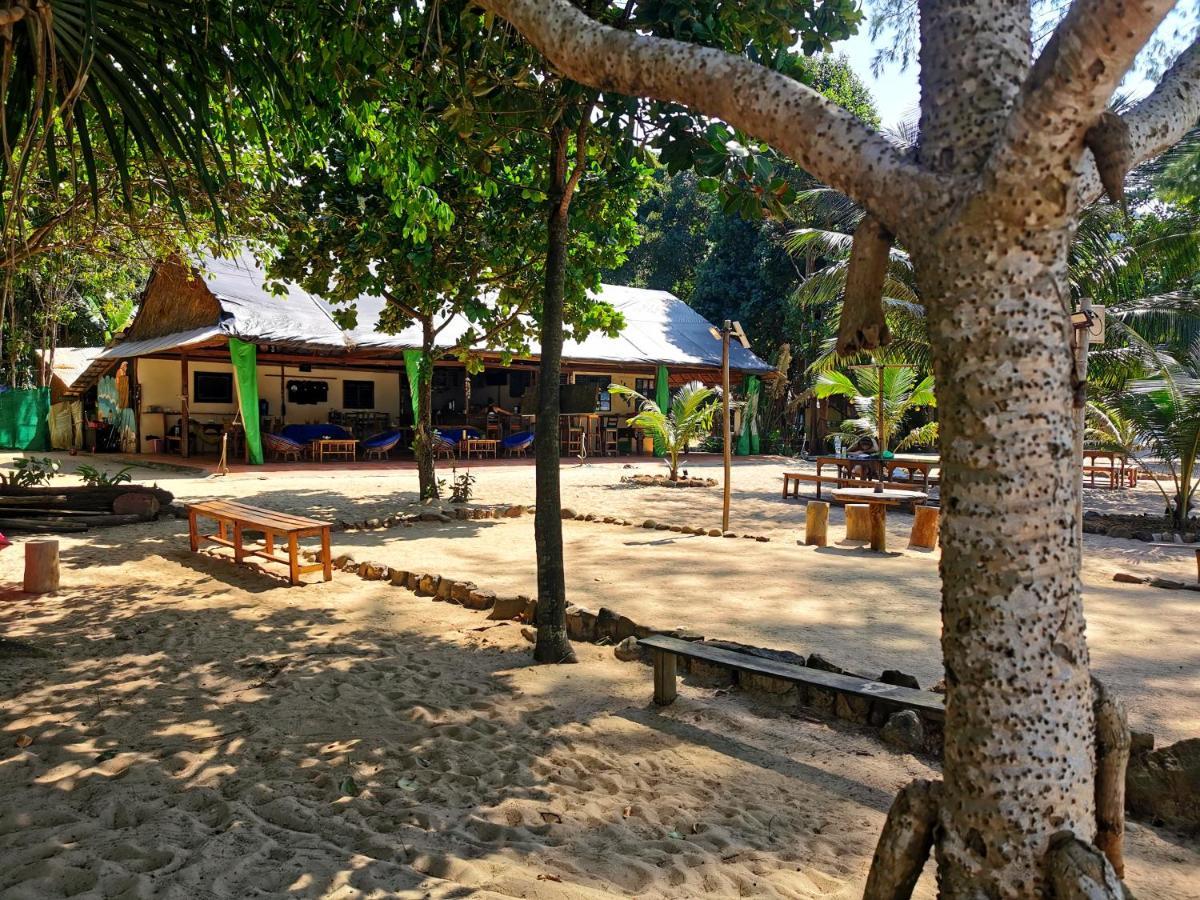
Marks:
<point>244,357</point>
<point>662,396</point>
<point>25,419</point>
<point>748,442</point>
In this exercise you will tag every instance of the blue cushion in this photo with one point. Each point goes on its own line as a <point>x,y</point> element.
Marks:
<point>517,441</point>
<point>454,435</point>
<point>306,434</point>
<point>379,441</point>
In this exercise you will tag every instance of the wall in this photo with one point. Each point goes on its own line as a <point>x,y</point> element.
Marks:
<point>160,387</point>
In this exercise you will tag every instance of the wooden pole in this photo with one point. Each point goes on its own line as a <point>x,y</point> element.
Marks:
<point>185,428</point>
<point>882,426</point>
<point>135,400</point>
<point>41,566</point>
<point>725,416</point>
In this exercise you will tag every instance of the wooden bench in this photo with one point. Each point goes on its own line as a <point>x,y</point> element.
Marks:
<point>793,480</point>
<point>234,518</point>
<point>668,649</point>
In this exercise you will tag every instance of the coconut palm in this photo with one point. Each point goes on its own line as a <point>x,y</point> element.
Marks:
<point>902,394</point>
<point>690,415</point>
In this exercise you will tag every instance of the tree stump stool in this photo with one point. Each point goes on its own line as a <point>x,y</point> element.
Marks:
<point>858,522</point>
<point>924,533</point>
<point>816,523</point>
<point>41,567</point>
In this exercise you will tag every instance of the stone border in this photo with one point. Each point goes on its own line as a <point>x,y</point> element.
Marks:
<point>652,525</point>
<point>460,513</point>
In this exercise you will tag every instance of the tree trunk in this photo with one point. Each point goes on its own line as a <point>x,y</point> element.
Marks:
<point>552,645</point>
<point>1019,763</point>
<point>423,440</point>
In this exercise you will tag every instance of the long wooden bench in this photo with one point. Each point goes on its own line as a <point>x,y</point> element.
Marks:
<point>667,650</point>
<point>233,519</point>
<point>793,480</point>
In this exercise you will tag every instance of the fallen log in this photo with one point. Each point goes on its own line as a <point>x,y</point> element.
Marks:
<point>42,526</point>
<point>24,511</point>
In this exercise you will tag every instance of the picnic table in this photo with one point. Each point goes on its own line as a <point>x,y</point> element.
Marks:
<point>334,448</point>
<point>851,471</point>
<point>1109,465</point>
<point>234,519</point>
<point>878,502</point>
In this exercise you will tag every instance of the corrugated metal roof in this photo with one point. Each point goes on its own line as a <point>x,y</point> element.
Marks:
<point>127,349</point>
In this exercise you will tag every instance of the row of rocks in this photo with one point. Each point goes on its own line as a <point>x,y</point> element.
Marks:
<point>1138,527</point>
<point>460,513</point>
<point>652,525</point>
<point>667,481</point>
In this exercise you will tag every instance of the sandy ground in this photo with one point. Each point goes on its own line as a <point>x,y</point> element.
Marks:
<point>203,731</point>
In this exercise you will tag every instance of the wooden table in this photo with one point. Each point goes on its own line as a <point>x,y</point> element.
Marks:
<point>234,518</point>
<point>334,448</point>
<point>849,468</point>
<point>481,446</point>
<point>879,501</point>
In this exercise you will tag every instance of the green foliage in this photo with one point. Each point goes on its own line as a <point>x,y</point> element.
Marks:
<point>689,416</point>
<point>461,487</point>
<point>902,396</point>
<point>94,477</point>
<point>32,471</point>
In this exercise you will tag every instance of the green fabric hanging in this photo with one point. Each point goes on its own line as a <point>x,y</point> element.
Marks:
<point>25,419</point>
<point>244,357</point>
<point>662,396</point>
<point>748,441</point>
<point>413,364</point>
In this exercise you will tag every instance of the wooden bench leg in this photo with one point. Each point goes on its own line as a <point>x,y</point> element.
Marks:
<point>238,553</point>
<point>325,557</point>
<point>664,678</point>
<point>269,541</point>
<point>293,559</point>
<point>193,531</point>
<point>878,517</point>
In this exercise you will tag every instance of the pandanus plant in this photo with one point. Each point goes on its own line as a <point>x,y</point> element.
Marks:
<point>690,415</point>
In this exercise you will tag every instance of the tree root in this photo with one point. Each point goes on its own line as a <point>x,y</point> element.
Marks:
<point>863,326</point>
<point>905,842</point>
<point>1079,871</point>
<point>1112,756</point>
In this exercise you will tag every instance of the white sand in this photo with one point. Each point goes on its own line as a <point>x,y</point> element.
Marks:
<point>193,734</point>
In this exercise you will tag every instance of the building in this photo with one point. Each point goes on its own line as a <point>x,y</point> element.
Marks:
<point>199,322</point>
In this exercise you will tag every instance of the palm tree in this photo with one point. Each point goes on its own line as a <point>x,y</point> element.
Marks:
<point>690,415</point>
<point>902,394</point>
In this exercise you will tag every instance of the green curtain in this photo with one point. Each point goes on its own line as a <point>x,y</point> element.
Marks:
<point>25,419</point>
<point>244,357</point>
<point>413,360</point>
<point>748,441</point>
<point>662,396</point>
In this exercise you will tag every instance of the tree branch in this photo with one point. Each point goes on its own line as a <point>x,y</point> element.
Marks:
<point>816,133</point>
<point>1068,88</point>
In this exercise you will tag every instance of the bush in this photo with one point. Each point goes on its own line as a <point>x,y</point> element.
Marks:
<point>93,477</point>
<point>32,471</point>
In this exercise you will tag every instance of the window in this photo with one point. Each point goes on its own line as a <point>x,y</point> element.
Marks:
<point>603,401</point>
<point>358,394</point>
<point>212,387</point>
<point>645,387</point>
<point>307,393</point>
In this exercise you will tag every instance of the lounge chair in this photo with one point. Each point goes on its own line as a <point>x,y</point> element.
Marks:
<point>444,446</point>
<point>378,446</point>
<point>517,444</point>
<point>282,447</point>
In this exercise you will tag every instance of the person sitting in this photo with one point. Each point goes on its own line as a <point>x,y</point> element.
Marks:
<point>864,448</point>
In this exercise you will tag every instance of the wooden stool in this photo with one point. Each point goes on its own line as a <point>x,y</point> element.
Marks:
<point>41,567</point>
<point>610,442</point>
<point>924,533</point>
<point>858,522</point>
<point>816,523</point>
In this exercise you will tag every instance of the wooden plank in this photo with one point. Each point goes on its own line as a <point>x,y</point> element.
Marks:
<point>925,701</point>
<point>665,688</point>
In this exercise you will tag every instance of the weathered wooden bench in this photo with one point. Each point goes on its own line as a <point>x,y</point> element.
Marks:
<point>793,480</point>
<point>667,650</point>
<point>233,519</point>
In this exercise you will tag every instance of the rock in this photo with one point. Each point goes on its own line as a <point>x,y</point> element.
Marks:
<point>676,528</point>
<point>1163,786</point>
<point>460,591</point>
<point>136,503</point>
<point>626,628</point>
<point>1168,583</point>
<point>341,560</point>
<point>349,565</point>
<point>427,585</point>
<point>478,513</point>
<point>1126,578</point>
<point>783,656</point>
<point>628,650</point>
<point>433,515</point>
<point>581,518</point>
<point>413,581</point>
<point>817,661</point>
<point>1091,514</point>
<point>462,512</point>
<point>609,520</point>
<point>1140,742</point>
<point>480,599</point>
<point>761,539</point>
<point>398,577</point>
<point>729,534</point>
<point>714,532</point>
<point>445,590</point>
<point>900,679</point>
<point>606,625</point>
<point>940,687</point>
<point>529,634</point>
<point>852,708</point>
<point>373,522</point>
<point>904,730</point>
<point>514,511</point>
<point>581,624</point>
<point>649,523</point>
<point>508,607</point>
<point>370,571</point>
<point>590,517</point>
<point>1142,536</point>
<point>530,612</point>
<point>661,527</point>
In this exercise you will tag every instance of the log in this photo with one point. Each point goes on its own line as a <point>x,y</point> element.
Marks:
<point>924,534</point>
<point>905,842</point>
<point>1113,743</point>
<point>41,567</point>
<point>43,526</point>
<point>877,515</point>
<point>816,523</point>
<point>858,526</point>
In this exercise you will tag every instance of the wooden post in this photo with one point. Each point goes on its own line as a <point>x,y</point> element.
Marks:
<point>924,534</point>
<point>135,400</point>
<point>664,677</point>
<point>1112,758</point>
<point>725,418</point>
<point>877,514</point>
<point>185,426</point>
<point>41,567</point>
<point>858,527</point>
<point>816,523</point>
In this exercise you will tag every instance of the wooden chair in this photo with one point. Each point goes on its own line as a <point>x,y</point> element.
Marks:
<point>444,446</point>
<point>283,448</point>
<point>517,444</point>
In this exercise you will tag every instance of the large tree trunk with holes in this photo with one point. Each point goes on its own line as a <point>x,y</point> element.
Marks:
<point>423,432</point>
<point>552,645</point>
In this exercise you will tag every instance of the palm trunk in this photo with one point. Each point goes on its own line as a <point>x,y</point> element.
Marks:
<point>423,442</point>
<point>1018,748</point>
<point>552,645</point>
